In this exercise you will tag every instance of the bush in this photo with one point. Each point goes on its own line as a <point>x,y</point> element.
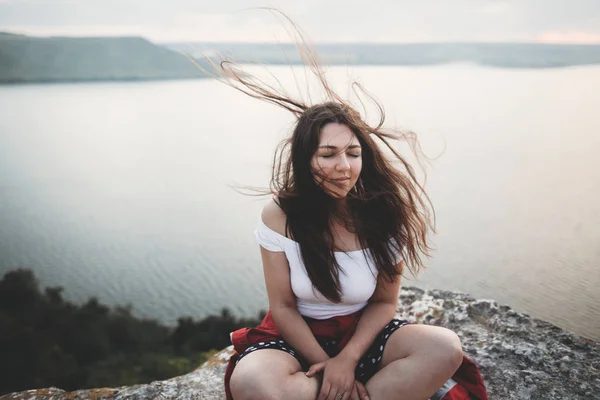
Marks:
<point>47,341</point>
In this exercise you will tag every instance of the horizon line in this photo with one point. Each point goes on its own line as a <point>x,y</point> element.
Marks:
<point>242,42</point>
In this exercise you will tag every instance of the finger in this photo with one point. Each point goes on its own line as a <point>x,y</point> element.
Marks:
<point>349,391</point>
<point>339,394</point>
<point>315,369</point>
<point>333,394</point>
<point>362,391</point>
<point>354,395</point>
<point>324,393</point>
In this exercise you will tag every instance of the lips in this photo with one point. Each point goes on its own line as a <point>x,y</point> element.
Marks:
<point>342,180</point>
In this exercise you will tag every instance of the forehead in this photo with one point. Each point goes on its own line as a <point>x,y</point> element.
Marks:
<point>338,135</point>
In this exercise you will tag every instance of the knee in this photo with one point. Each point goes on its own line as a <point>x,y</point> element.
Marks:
<point>246,385</point>
<point>449,350</point>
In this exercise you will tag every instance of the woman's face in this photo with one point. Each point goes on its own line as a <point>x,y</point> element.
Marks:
<point>337,163</point>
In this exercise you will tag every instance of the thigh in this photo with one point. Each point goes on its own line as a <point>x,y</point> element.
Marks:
<point>264,366</point>
<point>434,341</point>
<point>370,362</point>
<point>271,374</point>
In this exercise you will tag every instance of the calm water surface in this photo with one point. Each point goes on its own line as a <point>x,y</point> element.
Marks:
<point>120,190</point>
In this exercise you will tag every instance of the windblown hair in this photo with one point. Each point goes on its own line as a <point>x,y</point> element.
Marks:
<point>389,209</point>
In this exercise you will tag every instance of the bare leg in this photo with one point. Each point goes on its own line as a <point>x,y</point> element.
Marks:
<point>271,375</point>
<point>417,361</point>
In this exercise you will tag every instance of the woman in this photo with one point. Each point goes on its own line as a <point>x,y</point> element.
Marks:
<point>334,241</point>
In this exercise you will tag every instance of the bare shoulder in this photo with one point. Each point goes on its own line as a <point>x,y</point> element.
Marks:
<point>274,217</point>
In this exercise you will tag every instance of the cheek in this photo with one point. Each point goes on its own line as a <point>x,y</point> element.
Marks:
<point>317,172</point>
<point>357,166</point>
<point>321,168</point>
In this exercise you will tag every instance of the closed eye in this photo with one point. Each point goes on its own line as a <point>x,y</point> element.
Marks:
<point>331,155</point>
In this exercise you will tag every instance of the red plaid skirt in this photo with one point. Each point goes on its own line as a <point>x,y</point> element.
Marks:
<point>467,383</point>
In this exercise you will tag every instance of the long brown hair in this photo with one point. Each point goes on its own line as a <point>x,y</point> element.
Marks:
<point>389,209</point>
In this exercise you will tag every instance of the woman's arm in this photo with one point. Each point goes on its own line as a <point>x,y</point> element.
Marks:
<point>377,314</point>
<point>283,308</point>
<point>339,370</point>
<point>282,302</point>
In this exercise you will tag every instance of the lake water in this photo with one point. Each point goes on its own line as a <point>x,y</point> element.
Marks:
<point>121,190</point>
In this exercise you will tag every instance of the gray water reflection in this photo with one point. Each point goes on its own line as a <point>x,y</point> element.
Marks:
<point>120,190</point>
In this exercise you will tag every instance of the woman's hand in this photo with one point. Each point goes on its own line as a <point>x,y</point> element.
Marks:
<point>338,378</point>
<point>359,392</point>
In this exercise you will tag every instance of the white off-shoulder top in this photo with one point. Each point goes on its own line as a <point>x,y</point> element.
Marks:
<point>358,276</point>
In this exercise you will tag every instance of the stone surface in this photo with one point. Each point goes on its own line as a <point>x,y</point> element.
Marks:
<point>520,357</point>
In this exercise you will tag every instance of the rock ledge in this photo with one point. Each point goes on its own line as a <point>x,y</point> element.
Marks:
<point>520,357</point>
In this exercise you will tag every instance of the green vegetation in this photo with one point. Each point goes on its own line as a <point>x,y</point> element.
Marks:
<point>47,341</point>
<point>65,59</point>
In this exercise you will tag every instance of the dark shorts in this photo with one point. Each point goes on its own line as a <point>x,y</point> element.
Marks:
<point>366,367</point>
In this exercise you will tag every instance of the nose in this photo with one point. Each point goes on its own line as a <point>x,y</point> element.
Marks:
<point>343,164</point>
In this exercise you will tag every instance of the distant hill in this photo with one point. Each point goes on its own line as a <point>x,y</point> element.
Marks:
<point>66,59</point>
<point>505,55</point>
<point>26,59</point>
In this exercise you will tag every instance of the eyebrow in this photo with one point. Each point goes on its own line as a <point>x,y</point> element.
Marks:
<point>352,146</point>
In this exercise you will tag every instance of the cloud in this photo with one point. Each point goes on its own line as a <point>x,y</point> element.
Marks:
<point>495,7</point>
<point>213,27</point>
<point>578,37</point>
<point>324,21</point>
<point>77,30</point>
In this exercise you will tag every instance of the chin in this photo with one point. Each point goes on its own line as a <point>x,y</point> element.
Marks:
<point>339,194</point>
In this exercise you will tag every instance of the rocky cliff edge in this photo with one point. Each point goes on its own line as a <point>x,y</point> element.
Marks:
<point>519,357</point>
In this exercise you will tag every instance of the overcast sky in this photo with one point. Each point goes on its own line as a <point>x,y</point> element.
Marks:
<point>556,21</point>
